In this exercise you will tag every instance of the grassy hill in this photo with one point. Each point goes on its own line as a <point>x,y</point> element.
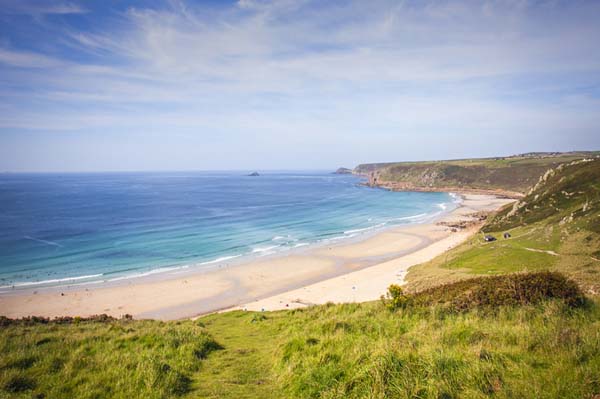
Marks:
<point>556,226</point>
<point>465,327</point>
<point>542,349</point>
<point>515,174</point>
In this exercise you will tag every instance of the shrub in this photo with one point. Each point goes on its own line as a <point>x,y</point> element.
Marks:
<point>395,298</point>
<point>507,290</point>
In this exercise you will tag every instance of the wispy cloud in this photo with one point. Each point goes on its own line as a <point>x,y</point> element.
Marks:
<point>25,59</point>
<point>327,71</point>
<point>40,7</point>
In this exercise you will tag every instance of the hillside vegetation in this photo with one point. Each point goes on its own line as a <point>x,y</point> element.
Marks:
<point>511,175</point>
<point>465,326</point>
<point>556,226</point>
<point>545,348</point>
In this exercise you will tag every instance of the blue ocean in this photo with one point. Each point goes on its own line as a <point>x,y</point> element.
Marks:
<point>59,229</point>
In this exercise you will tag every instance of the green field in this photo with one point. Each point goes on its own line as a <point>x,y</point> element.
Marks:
<point>506,336</point>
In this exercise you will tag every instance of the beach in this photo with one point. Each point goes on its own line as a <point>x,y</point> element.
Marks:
<point>353,271</point>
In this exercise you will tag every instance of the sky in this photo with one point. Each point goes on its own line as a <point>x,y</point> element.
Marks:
<point>113,85</point>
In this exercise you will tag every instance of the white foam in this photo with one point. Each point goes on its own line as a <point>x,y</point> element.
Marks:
<point>457,198</point>
<point>339,237</point>
<point>52,281</point>
<point>148,273</point>
<point>120,278</point>
<point>222,259</point>
<point>364,229</point>
<point>420,215</point>
<point>265,249</point>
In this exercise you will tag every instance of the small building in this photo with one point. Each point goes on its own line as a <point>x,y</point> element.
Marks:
<point>506,235</point>
<point>489,238</point>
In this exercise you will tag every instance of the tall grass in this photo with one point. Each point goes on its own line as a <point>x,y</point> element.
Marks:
<point>548,350</point>
<point>359,351</point>
<point>121,359</point>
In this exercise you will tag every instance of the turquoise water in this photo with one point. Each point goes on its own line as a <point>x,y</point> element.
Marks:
<point>58,229</point>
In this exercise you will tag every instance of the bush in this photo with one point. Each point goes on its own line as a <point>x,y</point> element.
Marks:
<point>507,290</point>
<point>395,298</point>
<point>490,292</point>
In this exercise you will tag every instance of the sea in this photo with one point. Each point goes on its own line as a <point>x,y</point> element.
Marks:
<point>78,229</point>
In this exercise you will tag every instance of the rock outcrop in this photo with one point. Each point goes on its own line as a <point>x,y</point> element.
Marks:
<point>343,171</point>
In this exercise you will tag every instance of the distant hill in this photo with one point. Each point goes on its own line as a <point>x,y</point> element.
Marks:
<point>512,175</point>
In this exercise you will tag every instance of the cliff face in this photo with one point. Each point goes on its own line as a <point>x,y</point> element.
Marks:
<point>367,168</point>
<point>510,176</point>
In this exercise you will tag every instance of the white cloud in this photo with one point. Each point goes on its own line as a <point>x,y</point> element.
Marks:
<point>319,70</point>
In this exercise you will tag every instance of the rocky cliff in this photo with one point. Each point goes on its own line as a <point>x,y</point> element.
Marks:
<point>510,176</point>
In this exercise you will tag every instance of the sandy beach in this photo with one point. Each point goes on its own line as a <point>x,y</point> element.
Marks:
<point>346,272</point>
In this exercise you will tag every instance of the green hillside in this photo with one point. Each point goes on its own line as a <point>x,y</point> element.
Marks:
<point>540,349</point>
<point>556,226</point>
<point>568,195</point>
<point>465,326</point>
<point>510,174</point>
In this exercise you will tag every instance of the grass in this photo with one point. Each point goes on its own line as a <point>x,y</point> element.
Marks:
<point>360,351</point>
<point>523,252</point>
<point>90,359</point>
<point>244,368</point>
<point>542,344</point>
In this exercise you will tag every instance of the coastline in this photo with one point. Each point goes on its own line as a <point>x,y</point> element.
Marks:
<point>407,187</point>
<point>403,186</point>
<point>344,272</point>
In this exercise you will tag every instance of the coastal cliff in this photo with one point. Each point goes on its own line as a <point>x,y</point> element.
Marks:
<point>506,176</point>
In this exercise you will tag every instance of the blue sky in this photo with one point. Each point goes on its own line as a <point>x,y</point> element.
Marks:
<point>258,84</point>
